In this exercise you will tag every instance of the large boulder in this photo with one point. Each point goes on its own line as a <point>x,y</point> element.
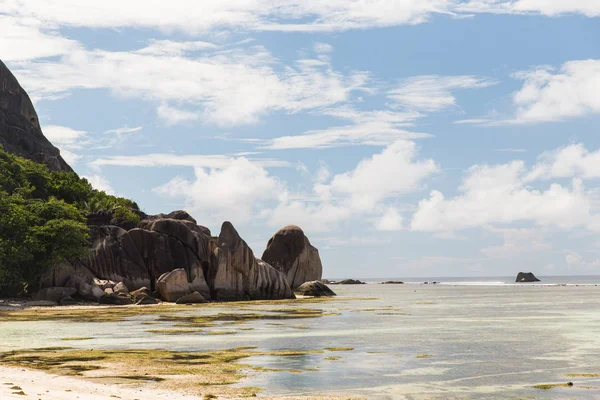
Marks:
<point>20,131</point>
<point>290,252</point>
<point>173,285</point>
<point>168,244</point>
<point>62,272</point>
<point>315,289</point>
<point>235,274</point>
<point>86,288</point>
<point>526,277</point>
<point>54,294</point>
<point>192,298</point>
<point>115,257</point>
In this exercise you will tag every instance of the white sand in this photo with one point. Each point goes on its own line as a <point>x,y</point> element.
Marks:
<point>39,385</point>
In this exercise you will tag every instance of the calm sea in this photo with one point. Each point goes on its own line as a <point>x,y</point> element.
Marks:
<point>462,339</point>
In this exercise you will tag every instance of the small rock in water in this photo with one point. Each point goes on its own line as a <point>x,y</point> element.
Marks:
<point>315,289</point>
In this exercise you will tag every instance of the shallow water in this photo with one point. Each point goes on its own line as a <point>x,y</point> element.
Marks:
<point>412,342</point>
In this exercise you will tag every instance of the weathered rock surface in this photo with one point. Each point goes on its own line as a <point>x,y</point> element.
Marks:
<point>85,286</point>
<point>20,131</point>
<point>235,274</point>
<point>392,283</point>
<point>115,257</point>
<point>526,277</point>
<point>290,252</point>
<point>173,285</point>
<point>115,299</point>
<point>192,298</point>
<point>55,294</point>
<point>350,282</point>
<point>315,289</point>
<point>120,288</point>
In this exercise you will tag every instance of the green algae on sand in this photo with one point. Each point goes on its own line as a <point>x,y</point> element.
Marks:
<point>212,372</point>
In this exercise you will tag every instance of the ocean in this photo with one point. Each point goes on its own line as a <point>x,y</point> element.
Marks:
<point>459,339</point>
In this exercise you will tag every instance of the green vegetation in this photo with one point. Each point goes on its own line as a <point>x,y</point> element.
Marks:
<point>339,348</point>
<point>199,373</point>
<point>42,219</point>
<point>549,386</point>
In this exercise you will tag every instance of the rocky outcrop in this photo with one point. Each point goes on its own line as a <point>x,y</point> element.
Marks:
<point>54,294</point>
<point>172,256</point>
<point>192,298</point>
<point>125,258</point>
<point>315,289</point>
<point>290,252</point>
<point>235,273</point>
<point>526,277</point>
<point>20,131</point>
<point>349,282</point>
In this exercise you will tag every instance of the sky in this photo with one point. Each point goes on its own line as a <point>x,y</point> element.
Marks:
<point>407,138</point>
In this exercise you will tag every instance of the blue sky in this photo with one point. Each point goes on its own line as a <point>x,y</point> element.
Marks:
<point>406,137</point>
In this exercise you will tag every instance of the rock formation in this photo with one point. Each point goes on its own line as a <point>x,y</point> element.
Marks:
<point>315,289</point>
<point>349,282</point>
<point>166,253</point>
<point>290,252</point>
<point>20,131</point>
<point>174,257</point>
<point>236,274</point>
<point>526,277</point>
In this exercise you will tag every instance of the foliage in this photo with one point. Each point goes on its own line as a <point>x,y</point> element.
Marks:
<point>42,219</point>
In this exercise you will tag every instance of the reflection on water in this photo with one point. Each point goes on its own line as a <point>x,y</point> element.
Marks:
<point>413,342</point>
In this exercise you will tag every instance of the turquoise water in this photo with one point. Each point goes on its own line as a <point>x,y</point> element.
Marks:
<point>473,341</point>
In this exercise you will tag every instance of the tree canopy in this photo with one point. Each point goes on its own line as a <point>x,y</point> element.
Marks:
<point>42,219</point>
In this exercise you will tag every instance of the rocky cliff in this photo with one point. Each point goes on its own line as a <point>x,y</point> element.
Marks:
<point>20,131</point>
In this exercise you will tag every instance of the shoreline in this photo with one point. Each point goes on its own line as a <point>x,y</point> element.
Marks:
<point>35,384</point>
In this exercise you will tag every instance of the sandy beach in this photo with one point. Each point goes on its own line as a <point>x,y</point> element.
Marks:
<point>40,385</point>
<point>21,383</point>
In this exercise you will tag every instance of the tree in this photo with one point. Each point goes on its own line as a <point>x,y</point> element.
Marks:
<point>42,219</point>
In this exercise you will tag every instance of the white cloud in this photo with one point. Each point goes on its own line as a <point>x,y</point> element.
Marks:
<point>577,264</point>
<point>235,191</point>
<point>393,172</point>
<point>100,183</point>
<point>323,48</point>
<point>570,161</point>
<point>124,130</point>
<point>517,241</point>
<point>434,93</point>
<point>345,241</point>
<point>391,220</point>
<point>25,39</point>
<point>590,8</point>
<point>70,157</point>
<point>172,115</point>
<point>372,128</point>
<point>501,194</point>
<point>62,134</point>
<point>190,17</point>
<point>360,192</point>
<point>228,86</point>
<point>323,173</point>
<point>186,160</point>
<point>549,95</point>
